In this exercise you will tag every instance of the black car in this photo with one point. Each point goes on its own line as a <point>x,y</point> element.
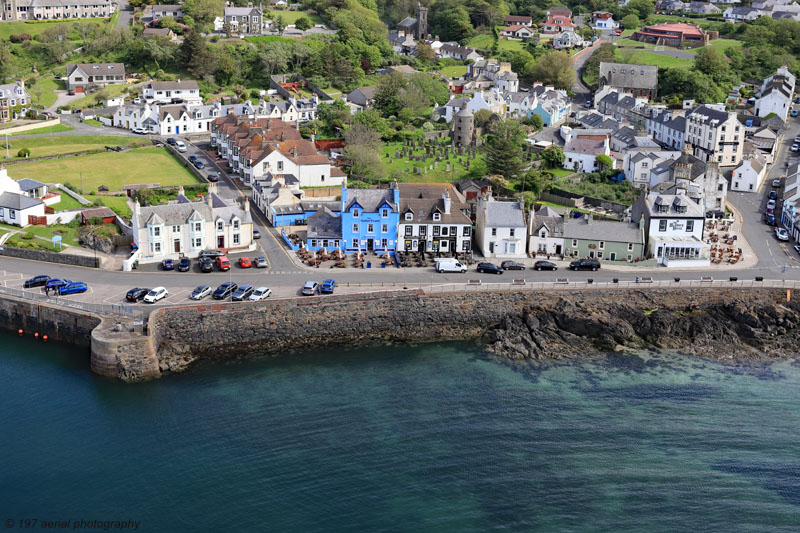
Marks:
<point>206,265</point>
<point>212,254</point>
<point>36,281</point>
<point>136,295</point>
<point>213,177</point>
<point>544,265</point>
<point>171,141</point>
<point>716,213</point>
<point>512,265</point>
<point>184,264</point>
<point>490,268</point>
<point>585,264</point>
<point>225,290</point>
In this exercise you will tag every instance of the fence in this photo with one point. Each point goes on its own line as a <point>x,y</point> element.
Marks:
<point>137,314</point>
<point>643,284</point>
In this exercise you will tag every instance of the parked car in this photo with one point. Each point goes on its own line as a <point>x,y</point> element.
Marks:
<point>772,195</point>
<point>138,131</point>
<point>184,264</point>
<point>168,264</point>
<point>797,248</point>
<point>225,290</point>
<point>795,147</point>
<point>181,147</point>
<point>192,158</point>
<point>769,219</point>
<point>213,254</point>
<point>54,283</point>
<point>206,265</point>
<point>244,262</point>
<point>544,265</point>
<point>261,262</point>
<point>328,286</point>
<point>261,293</point>
<point>200,292</point>
<point>159,293</point>
<point>797,139</point>
<point>771,204</point>
<point>795,113</point>
<point>490,268</point>
<point>242,293</point>
<point>74,287</point>
<point>223,263</point>
<point>36,281</point>
<point>781,234</point>
<point>172,141</point>
<point>213,177</point>
<point>587,104</point>
<point>199,164</point>
<point>310,288</point>
<point>256,234</point>
<point>770,211</point>
<point>715,213</point>
<point>137,294</point>
<point>585,264</point>
<point>618,32</point>
<point>776,182</point>
<point>512,265</point>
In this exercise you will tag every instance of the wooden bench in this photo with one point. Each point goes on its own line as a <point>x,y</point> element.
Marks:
<point>562,280</point>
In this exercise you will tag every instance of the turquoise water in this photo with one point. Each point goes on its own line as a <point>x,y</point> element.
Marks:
<point>426,438</point>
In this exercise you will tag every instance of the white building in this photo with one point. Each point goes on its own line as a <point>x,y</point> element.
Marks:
<point>715,135</point>
<point>434,217</point>
<point>172,92</point>
<point>638,164</point>
<point>545,232</point>
<point>749,175</point>
<point>674,227</point>
<point>500,228</point>
<point>580,154</point>
<point>178,119</point>
<point>668,128</point>
<point>15,205</point>
<point>776,94</point>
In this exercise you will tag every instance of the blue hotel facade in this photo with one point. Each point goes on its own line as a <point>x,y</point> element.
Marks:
<point>369,219</point>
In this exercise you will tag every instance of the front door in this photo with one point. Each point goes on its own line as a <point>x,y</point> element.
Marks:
<point>591,254</point>
<point>370,244</point>
<point>613,256</point>
<point>176,246</point>
<point>421,248</point>
<point>177,129</point>
<point>558,249</point>
<point>220,242</point>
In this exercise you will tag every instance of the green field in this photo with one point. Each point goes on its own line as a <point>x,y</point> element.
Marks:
<point>69,234</point>
<point>35,28</point>
<point>93,122</point>
<point>720,44</point>
<point>559,172</point>
<point>289,17</point>
<point>67,202</point>
<point>455,71</point>
<point>267,39</point>
<point>109,91</point>
<point>45,88</point>
<point>69,144</point>
<point>118,204</point>
<point>482,42</point>
<point>47,129</point>
<point>114,170</point>
<point>398,167</point>
<point>643,57</point>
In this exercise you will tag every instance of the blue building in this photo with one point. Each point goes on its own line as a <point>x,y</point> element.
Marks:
<point>370,218</point>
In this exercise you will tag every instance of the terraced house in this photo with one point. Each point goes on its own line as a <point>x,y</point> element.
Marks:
<point>434,217</point>
<point>603,239</point>
<point>57,9</point>
<point>369,219</point>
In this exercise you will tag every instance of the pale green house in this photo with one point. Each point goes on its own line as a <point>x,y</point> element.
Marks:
<point>603,239</point>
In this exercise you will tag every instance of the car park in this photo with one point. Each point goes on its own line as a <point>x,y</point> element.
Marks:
<point>213,177</point>
<point>168,264</point>
<point>36,281</point>
<point>773,195</point>
<point>310,288</point>
<point>776,182</point>
<point>55,283</point>
<point>489,268</point>
<point>206,265</point>
<point>244,262</point>
<point>223,263</point>
<point>585,264</point>
<point>184,264</point>
<point>256,234</point>
<point>261,293</point>
<point>781,234</point>
<point>199,164</point>
<point>137,294</point>
<point>225,290</point>
<point>200,292</point>
<point>74,287</point>
<point>327,286</point>
<point>512,265</point>
<point>243,292</point>
<point>544,265</point>
<point>159,293</point>
<point>261,262</point>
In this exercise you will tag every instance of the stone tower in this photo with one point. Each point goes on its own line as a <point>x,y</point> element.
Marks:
<point>463,127</point>
<point>422,22</point>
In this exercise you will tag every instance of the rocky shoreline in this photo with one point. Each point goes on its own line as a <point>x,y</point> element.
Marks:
<point>741,327</point>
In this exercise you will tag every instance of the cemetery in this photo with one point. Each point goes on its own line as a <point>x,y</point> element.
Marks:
<point>431,160</point>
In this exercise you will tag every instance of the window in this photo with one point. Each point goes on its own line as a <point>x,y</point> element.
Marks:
<point>453,231</point>
<point>511,232</point>
<point>599,255</point>
<point>437,217</point>
<point>409,216</point>
<point>355,243</point>
<point>156,230</point>
<point>689,226</point>
<point>220,226</point>
<point>355,228</point>
<point>355,213</point>
<point>384,243</point>
<point>236,224</point>
<point>423,230</point>
<point>494,232</point>
<point>384,228</point>
<point>280,166</point>
<point>662,225</point>
<point>602,245</point>
<point>574,243</point>
<point>436,231</point>
<point>465,246</point>
<point>197,226</point>
<point>630,247</point>
<point>409,230</point>
<point>370,228</point>
<point>384,213</point>
<point>155,247</point>
<point>176,229</point>
<point>543,234</point>
<point>235,238</point>
<point>444,231</point>
<point>197,242</point>
<point>466,231</point>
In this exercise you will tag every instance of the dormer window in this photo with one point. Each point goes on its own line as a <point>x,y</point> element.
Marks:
<point>409,216</point>
<point>220,225</point>
<point>437,217</point>
<point>355,213</point>
<point>384,213</point>
<point>236,223</point>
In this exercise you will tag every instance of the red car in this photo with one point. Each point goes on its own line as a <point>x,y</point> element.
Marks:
<point>618,32</point>
<point>244,262</point>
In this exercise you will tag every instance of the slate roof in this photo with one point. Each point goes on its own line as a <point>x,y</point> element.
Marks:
<point>424,199</point>
<point>324,224</point>
<point>106,69</point>
<point>584,146</point>
<point>630,76</point>
<point>370,199</point>
<point>12,200</point>
<point>707,115</point>
<point>27,184</point>
<point>553,223</point>
<point>173,85</point>
<point>698,166</point>
<point>504,214</point>
<point>653,199</point>
<point>603,230</point>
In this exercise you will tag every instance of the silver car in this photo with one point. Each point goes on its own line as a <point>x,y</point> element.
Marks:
<point>310,288</point>
<point>261,293</point>
<point>200,292</point>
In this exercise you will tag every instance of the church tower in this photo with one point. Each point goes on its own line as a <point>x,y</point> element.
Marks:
<point>422,22</point>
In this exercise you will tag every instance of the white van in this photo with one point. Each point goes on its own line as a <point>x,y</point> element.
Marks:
<point>449,264</point>
<point>181,147</point>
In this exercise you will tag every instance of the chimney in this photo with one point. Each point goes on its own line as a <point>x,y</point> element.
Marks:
<point>446,198</point>
<point>21,83</point>
<point>246,204</point>
<point>522,204</point>
<point>181,191</point>
<point>137,209</point>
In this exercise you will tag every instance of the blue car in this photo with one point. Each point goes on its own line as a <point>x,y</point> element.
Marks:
<point>72,288</point>
<point>795,112</point>
<point>773,195</point>
<point>55,283</point>
<point>192,158</point>
<point>327,286</point>
<point>168,264</point>
<point>199,164</point>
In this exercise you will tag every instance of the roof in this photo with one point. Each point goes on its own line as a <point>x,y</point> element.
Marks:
<point>407,22</point>
<point>517,18</point>
<point>12,200</point>
<point>585,146</point>
<point>102,212</point>
<point>698,165</point>
<point>106,69</point>
<point>630,76</point>
<point>603,230</point>
<point>454,49</point>
<point>240,11</point>
<point>173,85</point>
<point>554,223</point>
<point>324,224</point>
<point>675,27</point>
<point>368,92</point>
<point>504,214</point>
<point>27,184</point>
<point>370,199</point>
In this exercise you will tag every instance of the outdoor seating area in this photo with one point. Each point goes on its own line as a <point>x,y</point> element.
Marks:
<point>339,259</point>
<point>723,242</point>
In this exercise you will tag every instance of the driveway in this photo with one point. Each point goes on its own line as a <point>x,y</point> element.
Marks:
<point>125,13</point>
<point>62,98</point>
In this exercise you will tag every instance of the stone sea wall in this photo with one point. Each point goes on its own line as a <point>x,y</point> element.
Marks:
<point>59,324</point>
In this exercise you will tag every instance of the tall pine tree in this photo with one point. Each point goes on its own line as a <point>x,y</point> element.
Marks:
<point>504,148</point>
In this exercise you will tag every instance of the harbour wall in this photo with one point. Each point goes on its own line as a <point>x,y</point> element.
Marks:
<point>58,323</point>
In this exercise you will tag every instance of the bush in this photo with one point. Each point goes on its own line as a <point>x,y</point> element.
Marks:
<point>28,236</point>
<point>20,38</point>
<point>23,152</point>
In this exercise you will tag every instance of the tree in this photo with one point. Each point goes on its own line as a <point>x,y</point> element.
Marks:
<point>711,62</point>
<point>554,68</point>
<point>604,162</point>
<point>203,11</point>
<point>8,64</point>
<point>412,102</point>
<point>425,53</point>
<point>197,57</point>
<point>504,148</point>
<point>361,148</point>
<point>433,87</point>
<point>279,23</point>
<point>552,157</point>
<point>482,117</point>
<point>640,8</point>
<point>55,42</point>
<point>630,22</point>
<point>303,23</point>
<point>227,29</point>
<point>333,116</point>
<point>534,120</point>
<point>388,92</point>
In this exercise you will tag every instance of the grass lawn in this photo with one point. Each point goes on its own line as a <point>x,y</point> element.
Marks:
<point>398,167</point>
<point>559,172</point>
<point>482,42</point>
<point>511,46</point>
<point>118,204</point>
<point>47,129</point>
<point>643,57</point>
<point>111,91</point>
<point>719,44</point>
<point>68,144</point>
<point>268,39</point>
<point>93,122</point>
<point>17,241</point>
<point>289,17</point>
<point>142,165</point>
<point>48,86</point>
<point>35,28</point>
<point>67,202</point>
<point>455,71</point>
<point>69,234</point>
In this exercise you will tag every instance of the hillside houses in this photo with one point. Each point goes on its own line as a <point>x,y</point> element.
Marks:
<point>640,81</point>
<point>776,94</point>
<point>559,20</point>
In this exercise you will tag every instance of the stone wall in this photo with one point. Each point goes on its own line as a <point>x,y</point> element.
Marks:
<point>59,324</point>
<point>52,257</point>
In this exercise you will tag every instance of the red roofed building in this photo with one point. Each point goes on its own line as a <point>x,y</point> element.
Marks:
<point>677,34</point>
<point>559,20</point>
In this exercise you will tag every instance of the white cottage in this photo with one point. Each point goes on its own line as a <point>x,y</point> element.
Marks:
<point>15,205</point>
<point>500,228</point>
<point>748,176</point>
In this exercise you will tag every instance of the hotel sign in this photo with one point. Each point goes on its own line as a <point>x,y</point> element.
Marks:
<point>676,225</point>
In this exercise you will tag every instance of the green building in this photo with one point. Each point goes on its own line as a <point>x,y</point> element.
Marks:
<point>603,239</point>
